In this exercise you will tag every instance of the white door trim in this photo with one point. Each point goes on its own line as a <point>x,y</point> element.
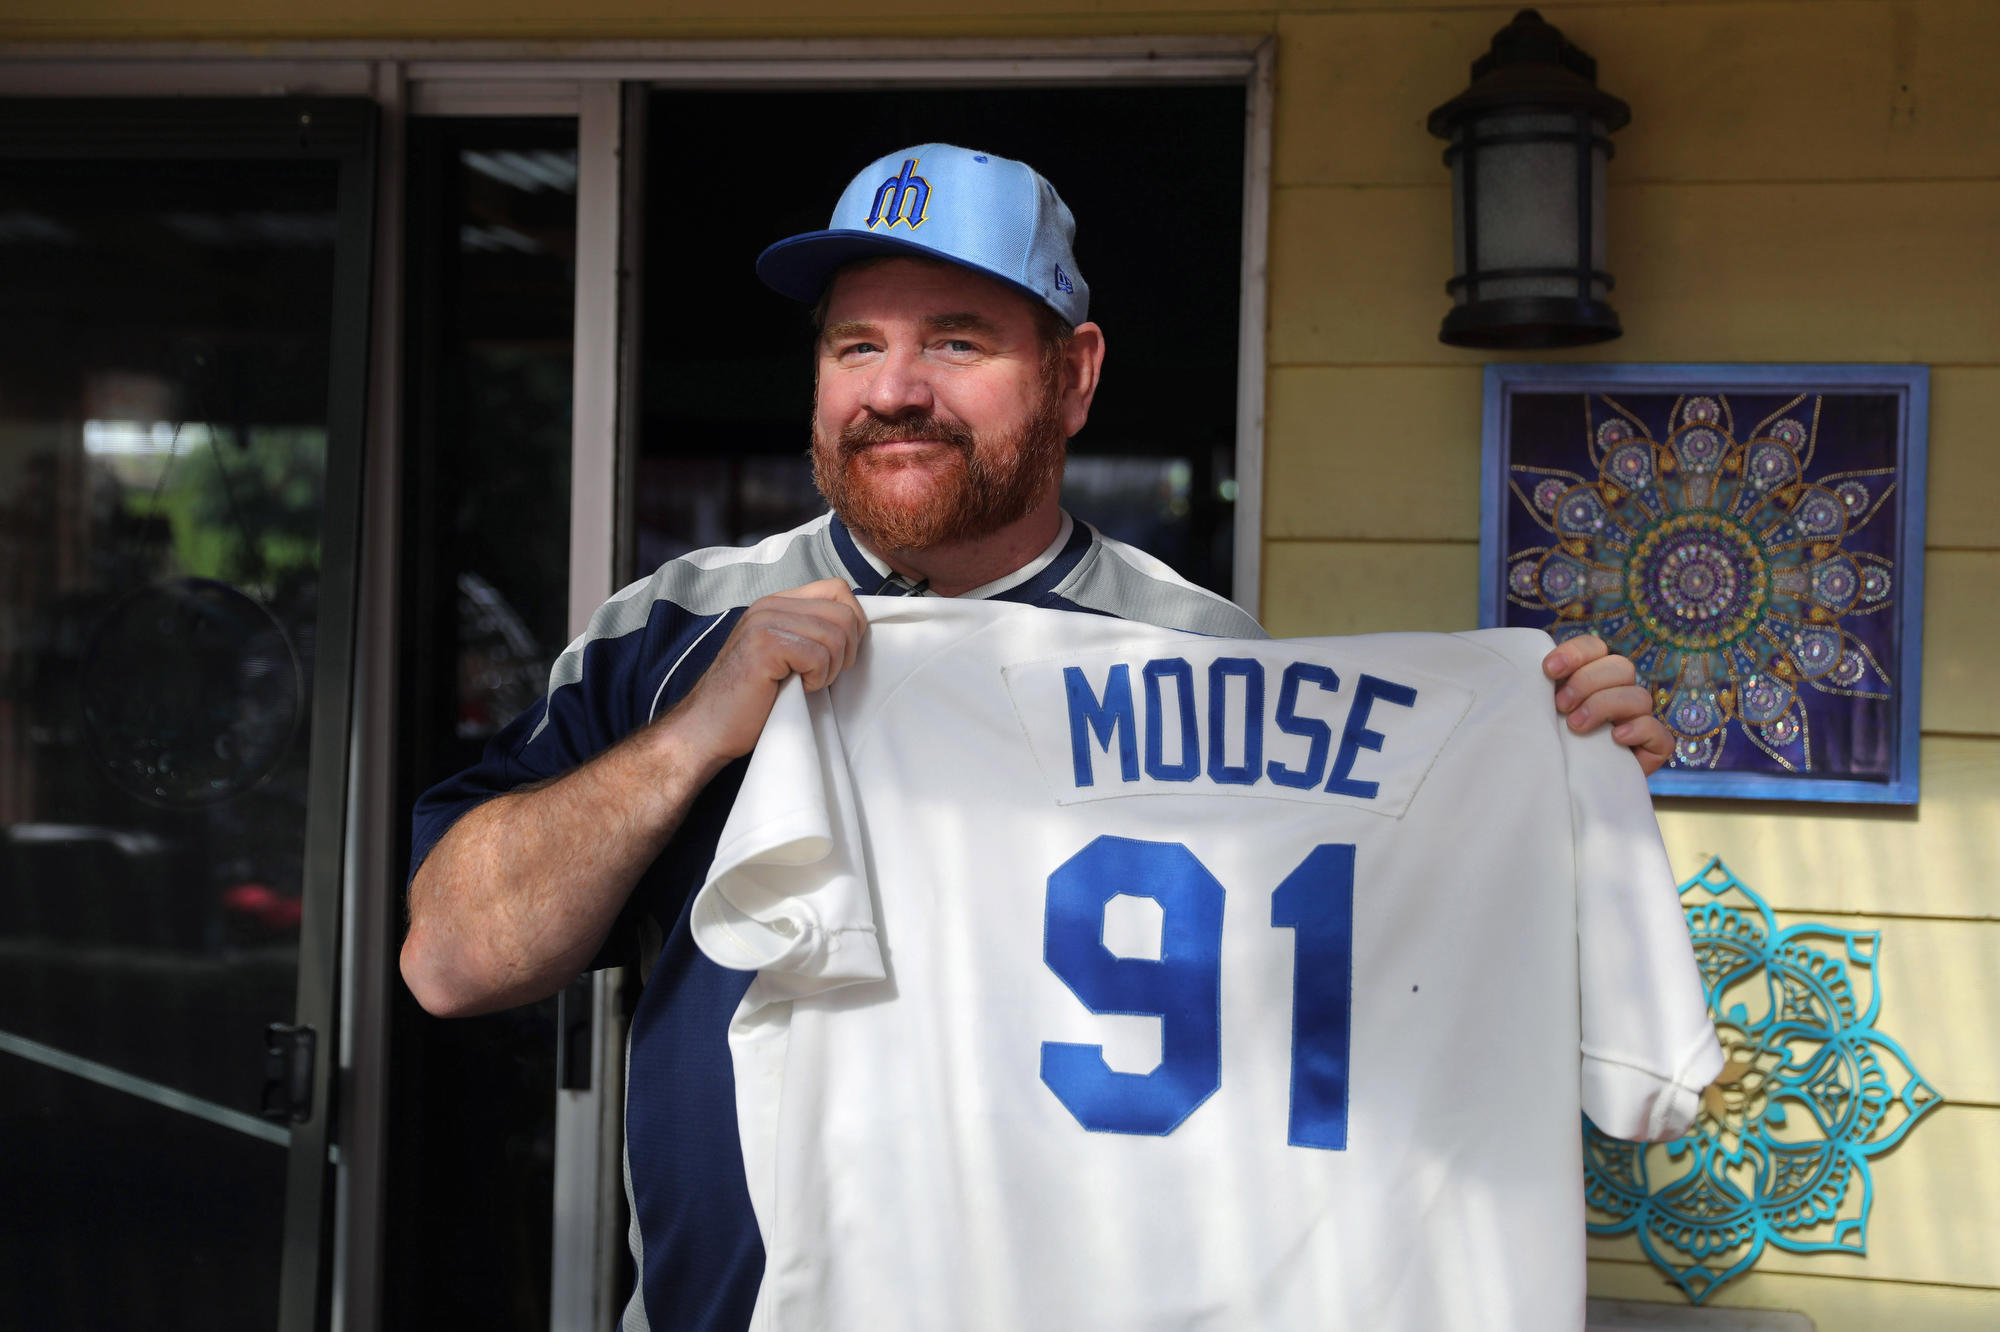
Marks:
<point>588,1134</point>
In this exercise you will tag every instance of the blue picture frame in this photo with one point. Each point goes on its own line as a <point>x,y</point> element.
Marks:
<point>1808,613</point>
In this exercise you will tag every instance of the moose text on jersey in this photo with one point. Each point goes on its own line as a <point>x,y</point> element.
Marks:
<point>1240,719</point>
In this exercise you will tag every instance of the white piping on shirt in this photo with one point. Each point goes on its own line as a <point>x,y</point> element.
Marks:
<point>654,710</point>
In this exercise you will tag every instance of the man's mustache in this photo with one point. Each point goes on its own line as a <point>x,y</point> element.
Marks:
<point>896,429</point>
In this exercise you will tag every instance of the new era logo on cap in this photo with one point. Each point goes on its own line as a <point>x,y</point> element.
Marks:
<point>991,214</point>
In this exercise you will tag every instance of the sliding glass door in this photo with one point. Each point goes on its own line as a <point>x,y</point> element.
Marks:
<point>183,292</point>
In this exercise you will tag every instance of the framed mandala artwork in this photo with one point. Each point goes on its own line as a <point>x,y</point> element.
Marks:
<point>1750,536</point>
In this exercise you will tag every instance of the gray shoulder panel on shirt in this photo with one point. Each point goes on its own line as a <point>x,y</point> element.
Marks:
<point>1124,581</point>
<point>1113,577</point>
<point>708,582</point>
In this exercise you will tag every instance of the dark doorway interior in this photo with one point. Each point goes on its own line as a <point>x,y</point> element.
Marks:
<point>1154,176</point>
<point>492,251</point>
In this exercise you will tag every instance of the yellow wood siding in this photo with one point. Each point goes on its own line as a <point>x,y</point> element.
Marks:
<point>1835,1304</point>
<point>1384,453</point>
<point>1393,451</point>
<point>1800,183</point>
<point>1941,859</point>
<point>1359,587</point>
<point>1803,180</point>
<point>1739,271</point>
<point>44,20</point>
<point>1961,641</point>
<point>1833,90</point>
<point>1965,453</point>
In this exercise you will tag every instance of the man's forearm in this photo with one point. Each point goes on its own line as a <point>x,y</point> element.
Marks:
<point>518,896</point>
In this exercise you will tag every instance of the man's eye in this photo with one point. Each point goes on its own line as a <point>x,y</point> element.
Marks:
<point>959,346</point>
<point>859,349</point>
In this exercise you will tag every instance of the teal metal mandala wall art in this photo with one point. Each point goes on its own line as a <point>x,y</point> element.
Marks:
<point>1813,1090</point>
<point>1751,537</point>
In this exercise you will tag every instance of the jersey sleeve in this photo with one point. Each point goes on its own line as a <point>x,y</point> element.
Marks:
<point>1649,1047</point>
<point>787,895</point>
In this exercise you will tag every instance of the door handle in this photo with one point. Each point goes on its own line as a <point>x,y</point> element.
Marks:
<point>288,1072</point>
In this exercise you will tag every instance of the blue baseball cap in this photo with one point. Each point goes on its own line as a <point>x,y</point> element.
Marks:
<point>990,214</point>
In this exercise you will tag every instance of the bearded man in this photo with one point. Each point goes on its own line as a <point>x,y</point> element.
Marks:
<point>954,360</point>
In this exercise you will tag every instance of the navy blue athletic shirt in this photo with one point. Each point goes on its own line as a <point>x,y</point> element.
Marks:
<point>694,1236</point>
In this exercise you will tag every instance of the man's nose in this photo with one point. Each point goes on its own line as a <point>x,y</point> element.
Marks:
<point>900,384</point>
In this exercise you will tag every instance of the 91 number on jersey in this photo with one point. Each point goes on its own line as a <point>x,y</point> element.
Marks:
<point>1183,988</point>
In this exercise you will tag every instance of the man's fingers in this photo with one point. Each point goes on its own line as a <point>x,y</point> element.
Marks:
<point>838,593</point>
<point>1621,703</point>
<point>810,658</point>
<point>1598,687</point>
<point>1649,740</point>
<point>1593,678</point>
<point>812,632</point>
<point>828,598</point>
<point>1572,653</point>
<point>775,629</point>
<point>815,645</point>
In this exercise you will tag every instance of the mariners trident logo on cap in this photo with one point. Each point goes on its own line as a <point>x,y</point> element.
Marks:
<point>888,209</point>
<point>991,214</point>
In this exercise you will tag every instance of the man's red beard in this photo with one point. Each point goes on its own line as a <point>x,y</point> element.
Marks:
<point>975,491</point>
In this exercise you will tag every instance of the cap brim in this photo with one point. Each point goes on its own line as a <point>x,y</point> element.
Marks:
<point>801,266</point>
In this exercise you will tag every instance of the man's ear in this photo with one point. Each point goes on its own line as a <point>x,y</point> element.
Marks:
<point>1083,361</point>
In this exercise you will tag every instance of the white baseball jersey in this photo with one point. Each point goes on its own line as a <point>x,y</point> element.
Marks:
<point>1114,978</point>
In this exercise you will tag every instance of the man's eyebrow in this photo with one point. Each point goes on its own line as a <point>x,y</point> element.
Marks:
<point>846,329</point>
<point>962,320</point>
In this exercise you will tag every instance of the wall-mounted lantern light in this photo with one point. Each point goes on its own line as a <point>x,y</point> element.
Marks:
<point>1529,142</point>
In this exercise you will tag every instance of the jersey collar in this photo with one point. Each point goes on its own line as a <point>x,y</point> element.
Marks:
<point>863,570</point>
<point>1027,583</point>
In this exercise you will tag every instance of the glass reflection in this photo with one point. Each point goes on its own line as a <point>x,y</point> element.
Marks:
<point>164,336</point>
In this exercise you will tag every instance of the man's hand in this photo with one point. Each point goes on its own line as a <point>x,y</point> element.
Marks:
<point>1595,686</point>
<point>812,632</point>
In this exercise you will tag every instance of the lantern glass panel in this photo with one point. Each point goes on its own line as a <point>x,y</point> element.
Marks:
<point>1526,200</point>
